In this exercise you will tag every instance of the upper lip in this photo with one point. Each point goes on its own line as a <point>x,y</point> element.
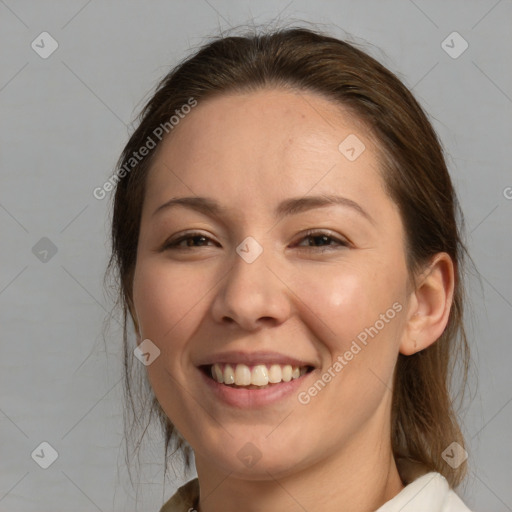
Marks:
<point>253,358</point>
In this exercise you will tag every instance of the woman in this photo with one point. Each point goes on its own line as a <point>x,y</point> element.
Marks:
<point>285,234</point>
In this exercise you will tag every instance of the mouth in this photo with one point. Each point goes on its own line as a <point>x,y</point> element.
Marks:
<point>254,377</point>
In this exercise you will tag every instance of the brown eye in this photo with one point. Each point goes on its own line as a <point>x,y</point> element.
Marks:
<point>190,239</point>
<point>322,240</point>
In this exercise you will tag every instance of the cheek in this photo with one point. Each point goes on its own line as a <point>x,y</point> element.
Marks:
<point>169,306</point>
<point>348,300</point>
<point>357,320</point>
<point>357,314</point>
<point>167,302</point>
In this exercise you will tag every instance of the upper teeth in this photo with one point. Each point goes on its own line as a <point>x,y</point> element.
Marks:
<point>259,375</point>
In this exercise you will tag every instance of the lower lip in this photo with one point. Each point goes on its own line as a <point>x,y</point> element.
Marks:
<point>251,398</point>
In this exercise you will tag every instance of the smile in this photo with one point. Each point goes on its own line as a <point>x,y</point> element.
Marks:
<point>258,376</point>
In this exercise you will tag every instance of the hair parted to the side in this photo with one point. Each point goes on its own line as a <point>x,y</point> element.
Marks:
<point>424,421</point>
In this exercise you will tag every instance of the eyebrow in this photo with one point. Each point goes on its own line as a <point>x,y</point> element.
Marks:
<point>291,206</point>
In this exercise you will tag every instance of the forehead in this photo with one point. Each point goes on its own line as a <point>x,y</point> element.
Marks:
<point>263,145</point>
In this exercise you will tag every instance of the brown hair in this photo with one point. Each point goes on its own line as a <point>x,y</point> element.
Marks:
<point>424,423</point>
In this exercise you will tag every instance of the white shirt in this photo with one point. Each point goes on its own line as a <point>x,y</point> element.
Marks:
<point>428,493</point>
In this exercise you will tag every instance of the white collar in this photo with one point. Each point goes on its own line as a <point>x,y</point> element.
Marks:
<point>428,493</point>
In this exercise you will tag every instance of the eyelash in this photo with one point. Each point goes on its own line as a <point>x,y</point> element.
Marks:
<point>173,245</point>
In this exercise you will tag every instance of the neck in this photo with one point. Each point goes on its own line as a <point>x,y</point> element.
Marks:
<point>360,480</point>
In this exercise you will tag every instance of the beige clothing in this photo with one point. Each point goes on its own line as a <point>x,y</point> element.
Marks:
<point>186,498</point>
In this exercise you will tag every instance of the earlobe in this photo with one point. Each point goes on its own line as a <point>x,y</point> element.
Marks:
<point>430,305</point>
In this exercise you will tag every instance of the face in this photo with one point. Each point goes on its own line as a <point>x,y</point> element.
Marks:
<point>283,274</point>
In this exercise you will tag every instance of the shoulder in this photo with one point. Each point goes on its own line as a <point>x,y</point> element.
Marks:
<point>428,493</point>
<point>455,504</point>
<point>185,499</point>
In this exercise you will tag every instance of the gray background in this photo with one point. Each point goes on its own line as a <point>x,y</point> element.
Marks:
<point>63,124</point>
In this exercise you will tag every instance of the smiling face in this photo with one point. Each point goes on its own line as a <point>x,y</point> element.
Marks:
<point>263,165</point>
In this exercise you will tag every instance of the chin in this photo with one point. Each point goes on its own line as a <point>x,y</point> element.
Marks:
<point>254,460</point>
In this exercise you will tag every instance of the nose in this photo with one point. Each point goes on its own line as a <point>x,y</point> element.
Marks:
<point>252,295</point>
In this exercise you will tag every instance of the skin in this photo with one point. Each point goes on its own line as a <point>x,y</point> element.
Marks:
<point>249,152</point>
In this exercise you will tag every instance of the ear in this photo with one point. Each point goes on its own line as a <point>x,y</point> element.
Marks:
<point>429,305</point>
